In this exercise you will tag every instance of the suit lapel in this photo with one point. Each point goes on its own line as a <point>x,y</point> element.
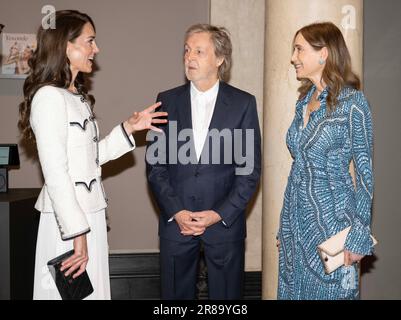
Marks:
<point>184,116</point>
<point>185,113</point>
<point>221,108</point>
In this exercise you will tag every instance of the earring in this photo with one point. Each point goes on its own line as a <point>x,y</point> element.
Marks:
<point>321,61</point>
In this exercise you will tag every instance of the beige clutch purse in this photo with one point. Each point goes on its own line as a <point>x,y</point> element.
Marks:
<point>331,251</point>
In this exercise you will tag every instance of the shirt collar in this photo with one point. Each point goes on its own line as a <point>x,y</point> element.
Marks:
<point>209,94</point>
<point>322,96</point>
<point>305,100</point>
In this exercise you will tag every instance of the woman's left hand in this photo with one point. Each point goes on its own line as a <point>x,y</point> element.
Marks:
<point>351,258</point>
<point>145,119</point>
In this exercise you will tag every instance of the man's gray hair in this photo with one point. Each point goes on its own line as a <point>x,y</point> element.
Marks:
<point>222,45</point>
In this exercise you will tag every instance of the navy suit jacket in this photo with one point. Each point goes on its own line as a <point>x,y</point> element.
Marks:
<point>198,186</point>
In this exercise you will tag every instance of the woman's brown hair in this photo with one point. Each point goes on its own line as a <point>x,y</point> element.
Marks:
<point>337,72</point>
<point>49,64</point>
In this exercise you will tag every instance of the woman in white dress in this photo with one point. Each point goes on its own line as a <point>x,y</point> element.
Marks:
<point>57,112</point>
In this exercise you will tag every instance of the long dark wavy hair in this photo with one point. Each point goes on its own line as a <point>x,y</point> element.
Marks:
<point>337,72</point>
<point>49,64</point>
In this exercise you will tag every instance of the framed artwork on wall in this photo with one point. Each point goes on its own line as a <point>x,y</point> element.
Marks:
<point>15,50</point>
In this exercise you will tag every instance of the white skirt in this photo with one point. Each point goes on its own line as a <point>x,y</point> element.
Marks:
<point>49,245</point>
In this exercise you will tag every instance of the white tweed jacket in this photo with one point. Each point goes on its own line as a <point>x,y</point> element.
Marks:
<point>70,154</point>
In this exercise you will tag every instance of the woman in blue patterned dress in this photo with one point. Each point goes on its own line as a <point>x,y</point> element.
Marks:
<point>332,127</point>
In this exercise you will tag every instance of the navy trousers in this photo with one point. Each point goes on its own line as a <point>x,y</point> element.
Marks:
<point>179,263</point>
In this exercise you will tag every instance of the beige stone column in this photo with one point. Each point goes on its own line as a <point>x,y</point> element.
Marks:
<point>245,20</point>
<point>283,18</point>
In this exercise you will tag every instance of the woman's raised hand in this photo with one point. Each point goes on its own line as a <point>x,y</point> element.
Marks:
<point>145,119</point>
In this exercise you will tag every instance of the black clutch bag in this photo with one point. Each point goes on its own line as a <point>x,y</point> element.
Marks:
<point>69,288</point>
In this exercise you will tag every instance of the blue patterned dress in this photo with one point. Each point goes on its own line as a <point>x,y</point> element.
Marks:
<point>320,199</point>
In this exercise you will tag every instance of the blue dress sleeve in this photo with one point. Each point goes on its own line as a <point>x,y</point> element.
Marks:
<point>361,135</point>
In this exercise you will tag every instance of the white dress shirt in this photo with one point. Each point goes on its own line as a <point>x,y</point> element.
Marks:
<point>202,108</point>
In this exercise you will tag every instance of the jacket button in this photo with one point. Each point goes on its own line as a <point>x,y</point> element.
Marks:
<point>97,161</point>
<point>83,99</point>
<point>95,139</point>
<point>197,174</point>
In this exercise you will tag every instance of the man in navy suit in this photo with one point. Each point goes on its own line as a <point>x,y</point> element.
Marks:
<point>201,180</point>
